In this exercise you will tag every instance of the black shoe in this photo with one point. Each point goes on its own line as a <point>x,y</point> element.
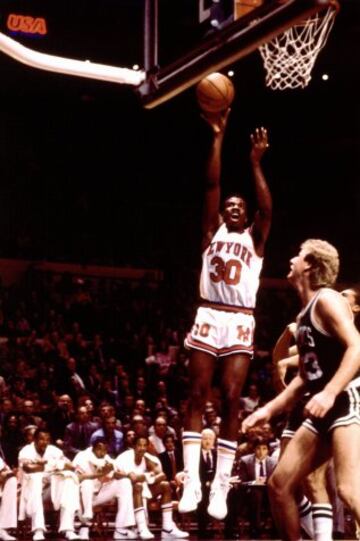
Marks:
<point>338,535</point>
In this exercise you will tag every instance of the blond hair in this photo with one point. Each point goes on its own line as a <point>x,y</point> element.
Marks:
<point>324,260</point>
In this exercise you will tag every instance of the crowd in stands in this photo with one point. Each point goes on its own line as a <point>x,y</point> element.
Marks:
<point>101,359</point>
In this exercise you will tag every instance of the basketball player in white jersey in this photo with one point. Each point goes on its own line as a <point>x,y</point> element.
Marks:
<point>329,370</point>
<point>224,325</point>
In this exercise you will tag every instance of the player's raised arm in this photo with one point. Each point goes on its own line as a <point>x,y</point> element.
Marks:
<point>284,356</point>
<point>210,219</point>
<point>262,221</point>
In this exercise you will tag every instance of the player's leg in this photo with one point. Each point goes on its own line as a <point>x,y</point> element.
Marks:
<point>140,512</point>
<point>201,370</point>
<point>322,513</point>
<point>120,490</point>
<point>346,453</point>
<point>298,460</point>
<point>169,529</point>
<point>234,371</point>
<point>303,502</point>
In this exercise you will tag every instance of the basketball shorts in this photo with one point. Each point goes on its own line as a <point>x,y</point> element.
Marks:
<point>221,333</point>
<point>345,411</point>
<point>295,418</point>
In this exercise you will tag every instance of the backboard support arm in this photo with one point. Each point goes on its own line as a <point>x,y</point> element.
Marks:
<point>69,66</point>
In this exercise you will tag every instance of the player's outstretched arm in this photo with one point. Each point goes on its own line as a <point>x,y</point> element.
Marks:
<point>262,222</point>
<point>280,403</point>
<point>210,220</point>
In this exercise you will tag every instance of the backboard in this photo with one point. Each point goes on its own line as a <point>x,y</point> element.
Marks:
<point>227,36</point>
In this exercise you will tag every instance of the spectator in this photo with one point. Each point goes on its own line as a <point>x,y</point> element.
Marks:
<point>113,437</point>
<point>78,433</point>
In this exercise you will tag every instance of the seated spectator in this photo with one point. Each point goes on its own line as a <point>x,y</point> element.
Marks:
<point>142,409</point>
<point>129,439</point>
<point>138,425</point>
<point>108,432</point>
<point>77,434</point>
<point>171,460</point>
<point>107,410</point>
<point>107,392</point>
<point>8,503</point>
<point>98,486</point>
<point>60,417</point>
<point>12,439</point>
<point>38,462</point>
<point>207,468</point>
<point>210,416</point>
<point>161,360</point>
<point>6,406</point>
<point>157,434</point>
<point>69,380</point>
<point>28,416</point>
<point>46,395</point>
<point>254,470</point>
<point>148,479</point>
<point>250,402</point>
<point>29,432</point>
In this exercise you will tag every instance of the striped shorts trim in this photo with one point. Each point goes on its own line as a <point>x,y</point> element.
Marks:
<point>345,412</point>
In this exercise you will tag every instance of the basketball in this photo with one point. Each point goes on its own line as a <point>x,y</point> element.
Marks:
<point>215,93</point>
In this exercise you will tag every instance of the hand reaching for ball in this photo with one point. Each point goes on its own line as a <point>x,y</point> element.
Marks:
<point>217,121</point>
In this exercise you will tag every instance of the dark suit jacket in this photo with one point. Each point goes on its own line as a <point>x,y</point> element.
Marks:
<point>207,476</point>
<point>166,463</point>
<point>247,467</point>
<point>74,441</point>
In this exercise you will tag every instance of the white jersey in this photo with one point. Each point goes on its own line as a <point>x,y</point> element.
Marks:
<point>231,269</point>
<point>86,462</point>
<point>54,457</point>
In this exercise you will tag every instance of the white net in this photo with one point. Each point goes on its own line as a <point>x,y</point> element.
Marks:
<point>289,57</point>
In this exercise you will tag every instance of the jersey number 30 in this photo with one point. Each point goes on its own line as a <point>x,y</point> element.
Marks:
<point>228,272</point>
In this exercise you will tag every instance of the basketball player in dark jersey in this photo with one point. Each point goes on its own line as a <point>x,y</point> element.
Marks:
<point>329,360</point>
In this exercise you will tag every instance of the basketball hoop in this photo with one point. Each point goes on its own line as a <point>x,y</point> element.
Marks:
<point>290,57</point>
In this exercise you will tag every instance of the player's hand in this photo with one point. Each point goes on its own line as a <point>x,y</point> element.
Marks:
<point>260,416</point>
<point>107,468</point>
<point>292,328</point>
<point>260,143</point>
<point>320,404</point>
<point>217,121</point>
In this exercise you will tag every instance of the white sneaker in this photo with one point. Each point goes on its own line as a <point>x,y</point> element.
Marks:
<point>84,533</point>
<point>4,536</point>
<point>191,496</point>
<point>127,533</point>
<point>144,533</point>
<point>217,498</point>
<point>38,535</point>
<point>174,533</point>
<point>70,535</point>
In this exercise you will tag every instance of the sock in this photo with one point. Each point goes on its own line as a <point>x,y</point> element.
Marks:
<point>167,519</point>
<point>140,518</point>
<point>225,457</point>
<point>306,518</point>
<point>323,521</point>
<point>191,448</point>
